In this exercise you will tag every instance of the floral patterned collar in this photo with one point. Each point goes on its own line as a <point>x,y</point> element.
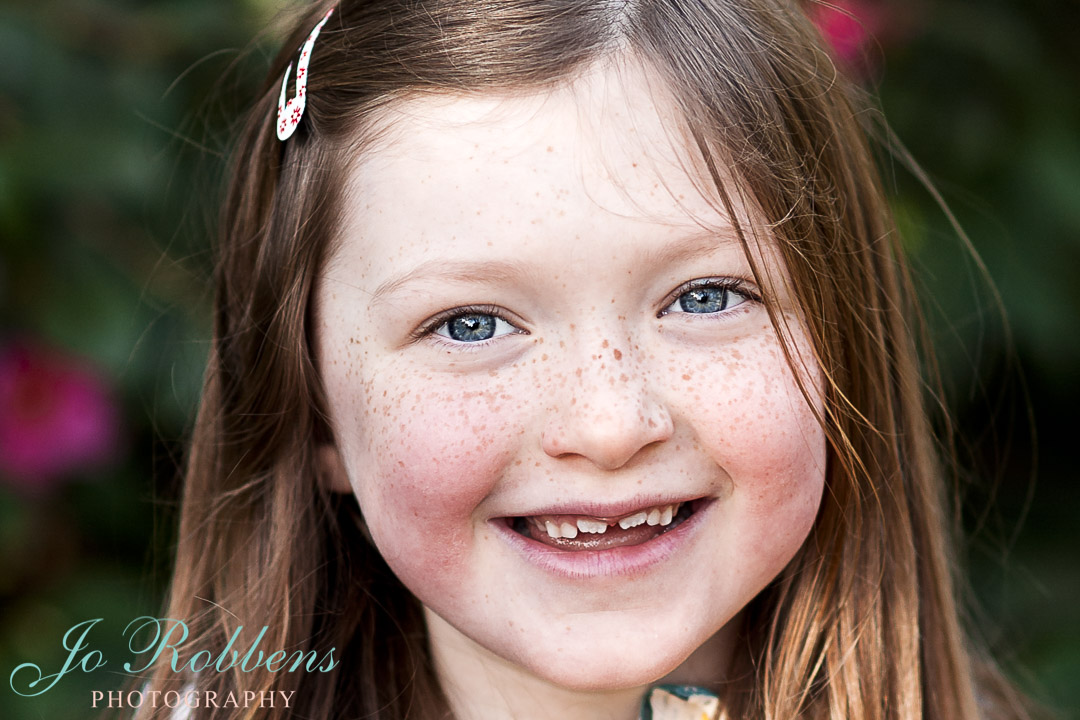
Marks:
<point>679,702</point>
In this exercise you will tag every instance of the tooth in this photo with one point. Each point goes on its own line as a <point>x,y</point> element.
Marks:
<point>552,530</point>
<point>632,520</point>
<point>591,526</point>
<point>568,530</point>
<point>666,515</point>
<point>654,517</point>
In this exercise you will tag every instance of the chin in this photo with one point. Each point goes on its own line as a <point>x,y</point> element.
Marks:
<point>612,670</point>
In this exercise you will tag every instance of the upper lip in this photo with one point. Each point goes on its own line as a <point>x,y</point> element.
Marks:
<point>592,508</point>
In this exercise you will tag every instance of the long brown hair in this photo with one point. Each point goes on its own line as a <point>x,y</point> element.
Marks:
<point>862,624</point>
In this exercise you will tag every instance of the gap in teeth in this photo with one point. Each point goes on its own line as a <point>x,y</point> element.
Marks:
<point>568,526</point>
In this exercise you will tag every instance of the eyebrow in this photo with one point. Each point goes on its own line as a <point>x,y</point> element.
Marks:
<point>691,244</point>
<point>498,272</point>
<point>485,272</point>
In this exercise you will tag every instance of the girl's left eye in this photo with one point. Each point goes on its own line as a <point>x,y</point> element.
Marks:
<point>473,327</point>
<point>709,297</point>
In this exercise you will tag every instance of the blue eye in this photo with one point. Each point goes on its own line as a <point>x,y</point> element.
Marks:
<point>473,327</point>
<point>709,297</point>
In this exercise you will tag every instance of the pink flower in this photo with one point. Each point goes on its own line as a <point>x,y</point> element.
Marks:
<point>56,417</point>
<point>853,27</point>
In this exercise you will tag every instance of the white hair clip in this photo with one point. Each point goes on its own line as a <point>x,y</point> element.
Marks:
<point>289,113</point>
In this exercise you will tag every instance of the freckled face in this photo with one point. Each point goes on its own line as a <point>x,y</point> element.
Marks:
<point>534,313</point>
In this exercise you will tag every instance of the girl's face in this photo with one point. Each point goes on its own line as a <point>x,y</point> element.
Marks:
<point>555,391</point>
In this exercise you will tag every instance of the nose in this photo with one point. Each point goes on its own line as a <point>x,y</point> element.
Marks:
<point>609,413</point>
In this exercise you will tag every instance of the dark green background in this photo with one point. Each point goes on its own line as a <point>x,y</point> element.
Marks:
<point>110,144</point>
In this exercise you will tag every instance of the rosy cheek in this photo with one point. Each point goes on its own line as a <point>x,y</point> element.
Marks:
<point>430,453</point>
<point>765,436</point>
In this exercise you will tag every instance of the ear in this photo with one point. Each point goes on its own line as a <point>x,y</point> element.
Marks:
<point>330,469</point>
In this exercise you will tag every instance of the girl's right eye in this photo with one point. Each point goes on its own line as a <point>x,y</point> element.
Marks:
<point>473,327</point>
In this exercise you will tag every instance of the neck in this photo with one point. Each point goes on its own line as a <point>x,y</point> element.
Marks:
<point>480,685</point>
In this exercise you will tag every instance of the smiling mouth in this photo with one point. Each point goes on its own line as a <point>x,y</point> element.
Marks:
<point>585,532</point>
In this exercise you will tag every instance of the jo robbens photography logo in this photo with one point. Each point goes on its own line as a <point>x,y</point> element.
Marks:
<point>162,640</point>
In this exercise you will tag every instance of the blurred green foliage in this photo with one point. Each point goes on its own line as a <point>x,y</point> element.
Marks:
<point>109,148</point>
<point>984,96</point>
<point>113,118</point>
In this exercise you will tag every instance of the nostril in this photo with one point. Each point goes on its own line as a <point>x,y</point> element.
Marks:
<point>609,433</point>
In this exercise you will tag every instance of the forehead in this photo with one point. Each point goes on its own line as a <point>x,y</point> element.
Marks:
<point>528,174</point>
<point>610,137</point>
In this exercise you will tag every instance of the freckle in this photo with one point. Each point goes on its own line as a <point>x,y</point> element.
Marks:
<point>544,356</point>
<point>578,372</point>
<point>605,344</point>
<point>685,377</point>
<point>618,354</point>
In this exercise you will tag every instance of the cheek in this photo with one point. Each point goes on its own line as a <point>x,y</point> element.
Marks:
<point>760,430</point>
<point>752,414</point>
<point>423,453</point>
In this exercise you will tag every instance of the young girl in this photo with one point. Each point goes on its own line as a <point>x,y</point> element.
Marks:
<point>563,368</point>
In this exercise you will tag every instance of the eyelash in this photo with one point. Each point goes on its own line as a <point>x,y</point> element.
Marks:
<point>727,284</point>
<point>428,331</point>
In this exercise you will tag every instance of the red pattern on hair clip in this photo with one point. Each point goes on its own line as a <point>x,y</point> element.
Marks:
<point>289,113</point>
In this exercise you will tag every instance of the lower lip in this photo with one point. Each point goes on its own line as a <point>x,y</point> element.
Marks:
<point>620,561</point>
